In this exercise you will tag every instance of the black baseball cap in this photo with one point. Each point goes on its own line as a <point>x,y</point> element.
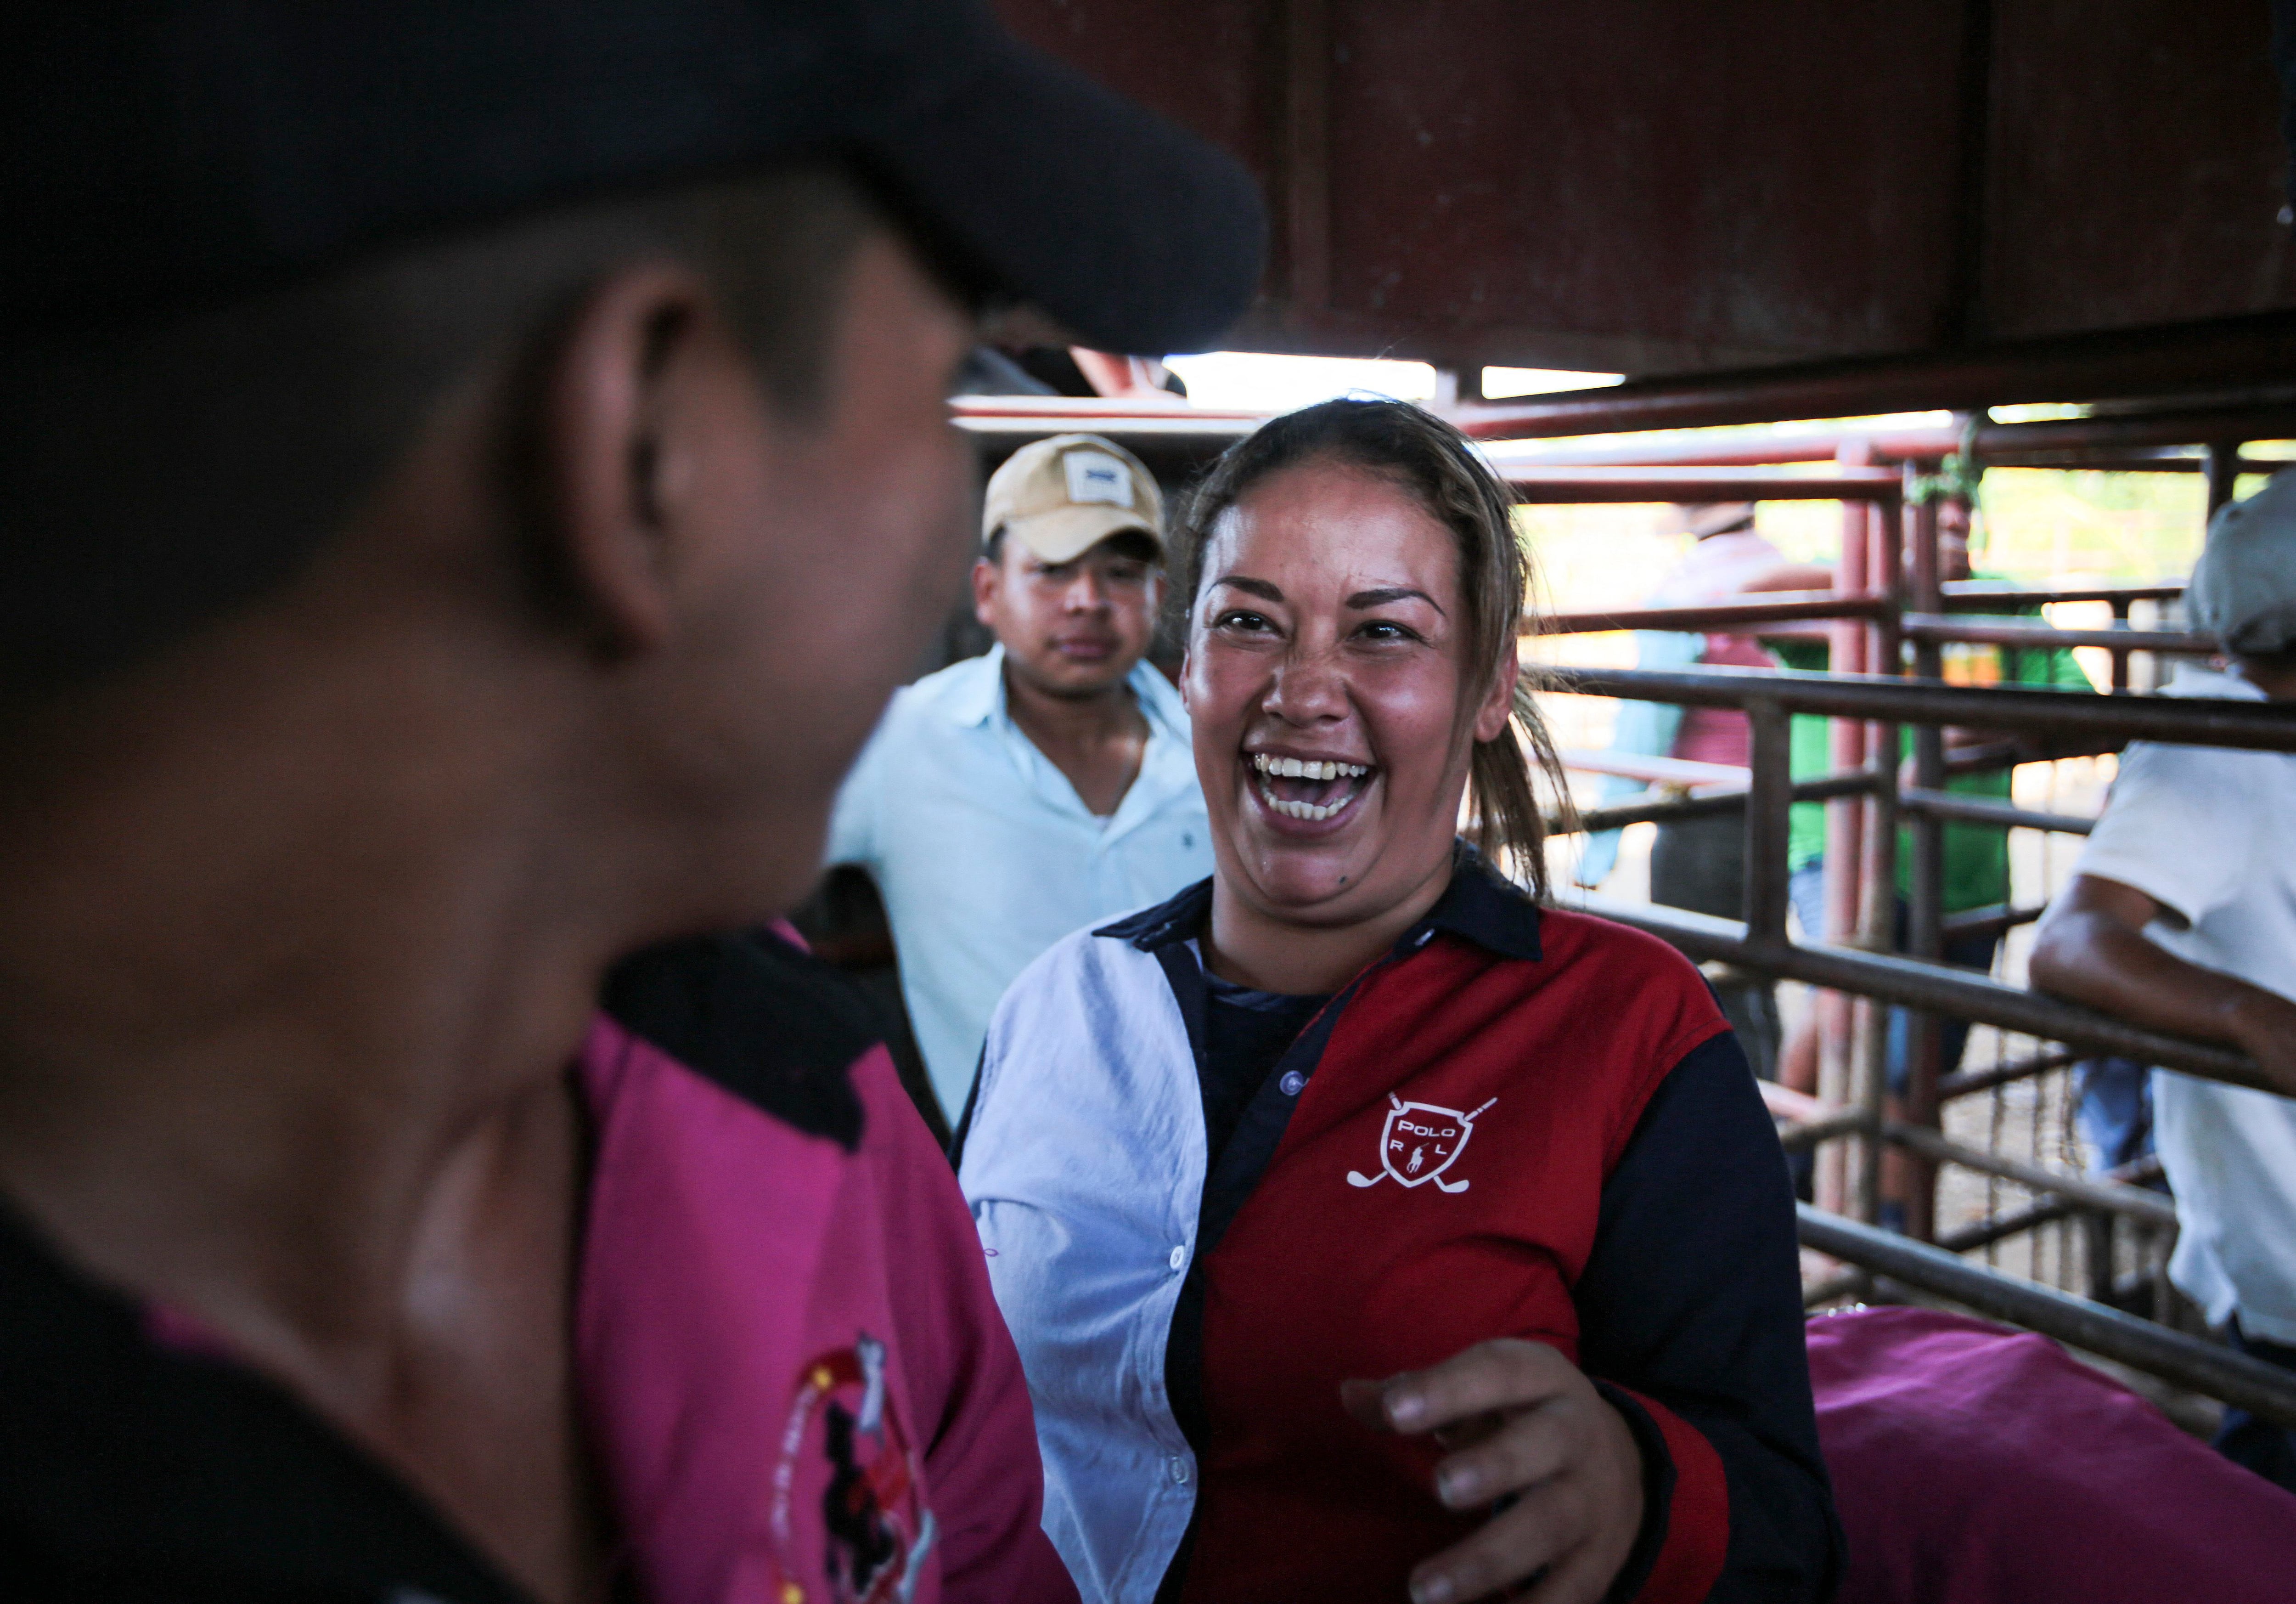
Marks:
<point>163,154</point>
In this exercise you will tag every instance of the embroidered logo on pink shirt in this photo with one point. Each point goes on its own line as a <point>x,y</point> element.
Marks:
<point>879,1531</point>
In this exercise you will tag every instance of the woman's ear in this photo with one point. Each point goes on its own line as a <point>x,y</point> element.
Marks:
<point>1498,704</point>
<point>619,443</point>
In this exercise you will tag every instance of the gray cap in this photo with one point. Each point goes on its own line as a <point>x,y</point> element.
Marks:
<point>2243,587</point>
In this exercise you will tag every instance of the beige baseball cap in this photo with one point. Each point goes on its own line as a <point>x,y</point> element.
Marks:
<point>1061,497</point>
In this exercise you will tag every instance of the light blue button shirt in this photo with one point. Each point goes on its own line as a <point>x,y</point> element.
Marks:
<point>1088,1243</point>
<point>986,856</point>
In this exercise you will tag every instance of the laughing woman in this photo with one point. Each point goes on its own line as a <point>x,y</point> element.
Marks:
<point>1368,1228</point>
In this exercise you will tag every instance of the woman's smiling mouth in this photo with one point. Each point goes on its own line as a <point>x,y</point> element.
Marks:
<point>1311,790</point>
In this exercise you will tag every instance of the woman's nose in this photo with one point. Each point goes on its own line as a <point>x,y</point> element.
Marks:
<point>1308,689</point>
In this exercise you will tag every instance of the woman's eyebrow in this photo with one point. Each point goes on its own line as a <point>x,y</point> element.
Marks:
<point>1250,587</point>
<point>1392,593</point>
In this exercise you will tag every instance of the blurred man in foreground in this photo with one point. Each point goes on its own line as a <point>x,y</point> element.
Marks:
<point>2181,915</point>
<point>1011,799</point>
<point>475,472</point>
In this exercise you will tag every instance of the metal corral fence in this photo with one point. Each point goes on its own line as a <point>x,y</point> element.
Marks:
<point>1900,620</point>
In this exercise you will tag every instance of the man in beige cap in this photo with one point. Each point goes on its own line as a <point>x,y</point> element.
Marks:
<point>1011,799</point>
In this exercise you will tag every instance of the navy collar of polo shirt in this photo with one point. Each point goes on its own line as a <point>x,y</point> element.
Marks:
<point>1479,905</point>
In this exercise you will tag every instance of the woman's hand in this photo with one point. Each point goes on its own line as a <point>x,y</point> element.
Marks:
<point>1532,1440</point>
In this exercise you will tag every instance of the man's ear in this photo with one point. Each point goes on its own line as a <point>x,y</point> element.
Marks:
<point>988,580</point>
<point>619,446</point>
<point>1498,702</point>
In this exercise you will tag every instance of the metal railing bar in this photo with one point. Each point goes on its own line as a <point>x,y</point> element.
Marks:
<point>1985,1233</point>
<point>1994,919</point>
<point>1936,987</point>
<point>1962,1082</point>
<point>1779,606</point>
<point>1787,606</point>
<point>2246,353</point>
<point>2134,1202</point>
<point>1555,485</point>
<point>1986,809</point>
<point>1974,594</point>
<point>1655,770</point>
<point>2048,1210</point>
<point>1994,631</point>
<point>2203,1367</point>
<point>2193,721</point>
<point>1662,808</point>
<point>1798,1134</point>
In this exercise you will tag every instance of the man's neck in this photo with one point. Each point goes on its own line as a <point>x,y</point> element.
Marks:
<point>1095,739</point>
<point>284,1038</point>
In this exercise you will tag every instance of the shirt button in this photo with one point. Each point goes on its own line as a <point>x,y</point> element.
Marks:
<point>1179,1466</point>
<point>1291,1082</point>
<point>1179,1257</point>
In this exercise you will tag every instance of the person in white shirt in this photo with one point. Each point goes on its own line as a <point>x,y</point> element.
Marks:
<point>1011,799</point>
<point>2181,915</point>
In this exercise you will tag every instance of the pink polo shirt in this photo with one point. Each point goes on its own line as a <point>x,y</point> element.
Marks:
<point>796,1379</point>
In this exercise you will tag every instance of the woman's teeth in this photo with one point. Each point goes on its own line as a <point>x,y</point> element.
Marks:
<point>1305,769</point>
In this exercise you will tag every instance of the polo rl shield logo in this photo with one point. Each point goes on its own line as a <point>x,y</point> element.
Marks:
<point>1418,1143</point>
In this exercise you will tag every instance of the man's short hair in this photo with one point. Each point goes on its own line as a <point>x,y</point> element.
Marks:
<point>159,476</point>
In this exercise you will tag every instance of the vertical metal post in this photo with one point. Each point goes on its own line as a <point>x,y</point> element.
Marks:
<point>1848,653</point>
<point>1877,913</point>
<point>2096,1236</point>
<point>2120,654</point>
<point>1769,798</point>
<point>2224,471</point>
<point>1925,886</point>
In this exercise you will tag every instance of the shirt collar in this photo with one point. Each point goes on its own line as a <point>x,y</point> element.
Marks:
<point>1478,906</point>
<point>979,697</point>
<point>1481,906</point>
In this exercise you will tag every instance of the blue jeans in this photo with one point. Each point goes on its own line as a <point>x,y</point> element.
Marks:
<point>2115,1109</point>
<point>1806,890</point>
